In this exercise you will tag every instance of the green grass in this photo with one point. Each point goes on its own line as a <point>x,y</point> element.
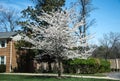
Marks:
<point>43,78</point>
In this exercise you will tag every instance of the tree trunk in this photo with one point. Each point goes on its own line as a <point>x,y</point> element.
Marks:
<point>59,68</point>
<point>49,65</point>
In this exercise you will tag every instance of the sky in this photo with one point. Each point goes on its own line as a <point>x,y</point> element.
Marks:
<point>106,14</point>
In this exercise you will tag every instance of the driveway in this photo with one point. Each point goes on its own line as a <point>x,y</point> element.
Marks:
<point>114,75</point>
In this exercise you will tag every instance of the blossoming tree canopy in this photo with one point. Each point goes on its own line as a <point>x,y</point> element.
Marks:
<point>58,37</point>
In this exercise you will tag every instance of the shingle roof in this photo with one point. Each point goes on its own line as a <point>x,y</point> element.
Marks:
<point>7,34</point>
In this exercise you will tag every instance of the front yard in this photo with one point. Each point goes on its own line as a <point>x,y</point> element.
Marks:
<point>5,77</point>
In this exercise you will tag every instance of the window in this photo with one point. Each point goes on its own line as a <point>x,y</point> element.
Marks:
<point>3,43</point>
<point>2,59</point>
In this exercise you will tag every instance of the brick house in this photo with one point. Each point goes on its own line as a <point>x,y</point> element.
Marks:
<point>7,50</point>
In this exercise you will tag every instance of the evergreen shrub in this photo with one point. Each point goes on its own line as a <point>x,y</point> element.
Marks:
<point>2,68</point>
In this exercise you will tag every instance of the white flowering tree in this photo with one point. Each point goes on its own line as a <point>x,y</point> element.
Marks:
<point>58,37</point>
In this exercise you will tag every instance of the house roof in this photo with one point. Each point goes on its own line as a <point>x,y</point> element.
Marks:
<point>7,34</point>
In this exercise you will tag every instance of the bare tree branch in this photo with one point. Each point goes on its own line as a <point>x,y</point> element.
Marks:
<point>8,19</point>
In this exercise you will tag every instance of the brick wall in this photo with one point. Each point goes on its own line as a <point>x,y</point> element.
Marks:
<point>6,52</point>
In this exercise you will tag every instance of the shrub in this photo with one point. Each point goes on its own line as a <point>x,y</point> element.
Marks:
<point>2,68</point>
<point>81,66</point>
<point>104,66</point>
<point>68,68</point>
<point>86,66</point>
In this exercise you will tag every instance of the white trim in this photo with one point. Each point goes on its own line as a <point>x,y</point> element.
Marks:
<point>0,60</point>
<point>5,60</point>
<point>5,43</point>
<point>10,55</point>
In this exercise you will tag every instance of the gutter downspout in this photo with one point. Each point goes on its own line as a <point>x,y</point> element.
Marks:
<point>10,55</point>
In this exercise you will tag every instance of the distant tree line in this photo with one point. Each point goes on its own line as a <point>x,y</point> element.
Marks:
<point>109,47</point>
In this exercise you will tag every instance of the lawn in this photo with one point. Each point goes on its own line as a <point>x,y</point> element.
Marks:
<point>40,78</point>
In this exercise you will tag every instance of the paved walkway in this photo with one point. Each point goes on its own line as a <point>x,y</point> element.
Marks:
<point>46,74</point>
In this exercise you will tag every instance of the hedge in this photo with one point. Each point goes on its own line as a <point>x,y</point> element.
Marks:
<point>86,66</point>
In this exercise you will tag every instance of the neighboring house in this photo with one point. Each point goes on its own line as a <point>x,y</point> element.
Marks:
<point>7,50</point>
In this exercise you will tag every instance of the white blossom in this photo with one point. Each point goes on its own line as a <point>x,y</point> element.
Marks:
<point>58,38</point>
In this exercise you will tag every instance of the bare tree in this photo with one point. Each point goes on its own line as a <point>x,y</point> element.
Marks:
<point>57,38</point>
<point>110,42</point>
<point>8,20</point>
<point>85,9</point>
